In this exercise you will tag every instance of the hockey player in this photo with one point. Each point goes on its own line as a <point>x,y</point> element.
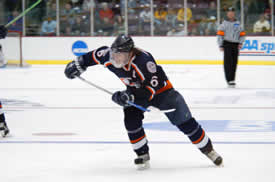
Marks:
<point>4,130</point>
<point>147,85</point>
<point>3,61</point>
<point>3,33</point>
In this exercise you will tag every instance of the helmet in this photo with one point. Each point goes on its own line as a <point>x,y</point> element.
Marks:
<point>123,43</point>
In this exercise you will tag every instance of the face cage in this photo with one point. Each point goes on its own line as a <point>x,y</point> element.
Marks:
<point>119,59</point>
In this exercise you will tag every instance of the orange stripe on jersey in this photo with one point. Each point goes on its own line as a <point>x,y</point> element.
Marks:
<point>138,72</point>
<point>220,33</point>
<point>242,34</point>
<point>107,64</point>
<point>94,58</point>
<point>200,139</point>
<point>137,140</point>
<point>152,92</point>
<point>0,106</point>
<point>166,87</point>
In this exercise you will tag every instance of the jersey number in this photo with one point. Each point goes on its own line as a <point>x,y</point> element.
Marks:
<point>154,81</point>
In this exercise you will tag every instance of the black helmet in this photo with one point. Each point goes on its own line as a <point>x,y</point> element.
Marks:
<point>123,43</point>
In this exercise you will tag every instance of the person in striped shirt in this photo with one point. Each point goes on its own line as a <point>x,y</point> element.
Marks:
<point>146,85</point>
<point>231,36</point>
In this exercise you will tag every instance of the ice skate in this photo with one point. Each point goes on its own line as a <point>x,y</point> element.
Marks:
<point>215,157</point>
<point>142,162</point>
<point>4,130</point>
<point>231,84</point>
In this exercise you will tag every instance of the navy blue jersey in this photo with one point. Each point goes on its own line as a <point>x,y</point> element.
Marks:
<point>142,76</point>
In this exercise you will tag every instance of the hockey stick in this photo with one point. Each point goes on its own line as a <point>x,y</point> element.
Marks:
<point>107,91</point>
<point>23,13</point>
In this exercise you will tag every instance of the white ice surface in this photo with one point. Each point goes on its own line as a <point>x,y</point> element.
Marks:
<point>65,130</point>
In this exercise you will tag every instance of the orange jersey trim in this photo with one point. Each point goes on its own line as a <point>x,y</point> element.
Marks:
<point>220,33</point>
<point>137,140</point>
<point>138,72</point>
<point>200,139</point>
<point>152,92</point>
<point>166,87</point>
<point>242,34</point>
<point>107,64</point>
<point>94,58</point>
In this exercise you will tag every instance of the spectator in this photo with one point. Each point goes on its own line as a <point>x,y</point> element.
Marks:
<point>211,26</point>
<point>48,27</point>
<point>65,22</point>
<point>194,31</point>
<point>132,4</point>
<point>203,25</point>
<point>68,10</point>
<point>68,31</point>
<point>212,11</point>
<point>145,15</point>
<point>51,11</point>
<point>88,5</point>
<point>180,15</point>
<point>16,26</point>
<point>145,19</point>
<point>79,28</point>
<point>178,31</point>
<point>106,14</point>
<point>119,25</point>
<point>261,26</point>
<point>160,15</point>
<point>106,24</point>
<point>170,18</point>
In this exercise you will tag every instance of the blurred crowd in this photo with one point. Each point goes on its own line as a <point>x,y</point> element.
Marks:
<point>107,17</point>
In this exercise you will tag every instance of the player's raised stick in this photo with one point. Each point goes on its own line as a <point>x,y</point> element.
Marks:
<point>23,13</point>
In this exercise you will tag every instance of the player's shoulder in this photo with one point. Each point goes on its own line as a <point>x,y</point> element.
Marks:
<point>101,54</point>
<point>145,61</point>
<point>142,56</point>
<point>102,51</point>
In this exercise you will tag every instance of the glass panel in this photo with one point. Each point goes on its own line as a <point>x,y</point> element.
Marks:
<point>36,20</point>
<point>173,24</point>
<point>75,17</point>
<point>160,14</point>
<point>119,22</point>
<point>108,19</point>
<point>257,16</point>
<point>202,18</point>
<point>139,17</point>
<point>225,4</point>
<point>10,10</point>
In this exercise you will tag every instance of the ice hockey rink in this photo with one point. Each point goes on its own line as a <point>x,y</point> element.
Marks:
<point>65,130</point>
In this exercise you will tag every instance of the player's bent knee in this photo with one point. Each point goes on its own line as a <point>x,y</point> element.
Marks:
<point>182,113</point>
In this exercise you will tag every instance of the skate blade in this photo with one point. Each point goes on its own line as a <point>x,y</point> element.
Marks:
<point>221,165</point>
<point>144,166</point>
<point>3,134</point>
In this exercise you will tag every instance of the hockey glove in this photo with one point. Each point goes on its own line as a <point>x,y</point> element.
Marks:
<point>3,31</point>
<point>122,97</point>
<point>75,68</point>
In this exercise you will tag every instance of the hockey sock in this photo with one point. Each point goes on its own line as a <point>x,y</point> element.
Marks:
<point>197,135</point>
<point>138,140</point>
